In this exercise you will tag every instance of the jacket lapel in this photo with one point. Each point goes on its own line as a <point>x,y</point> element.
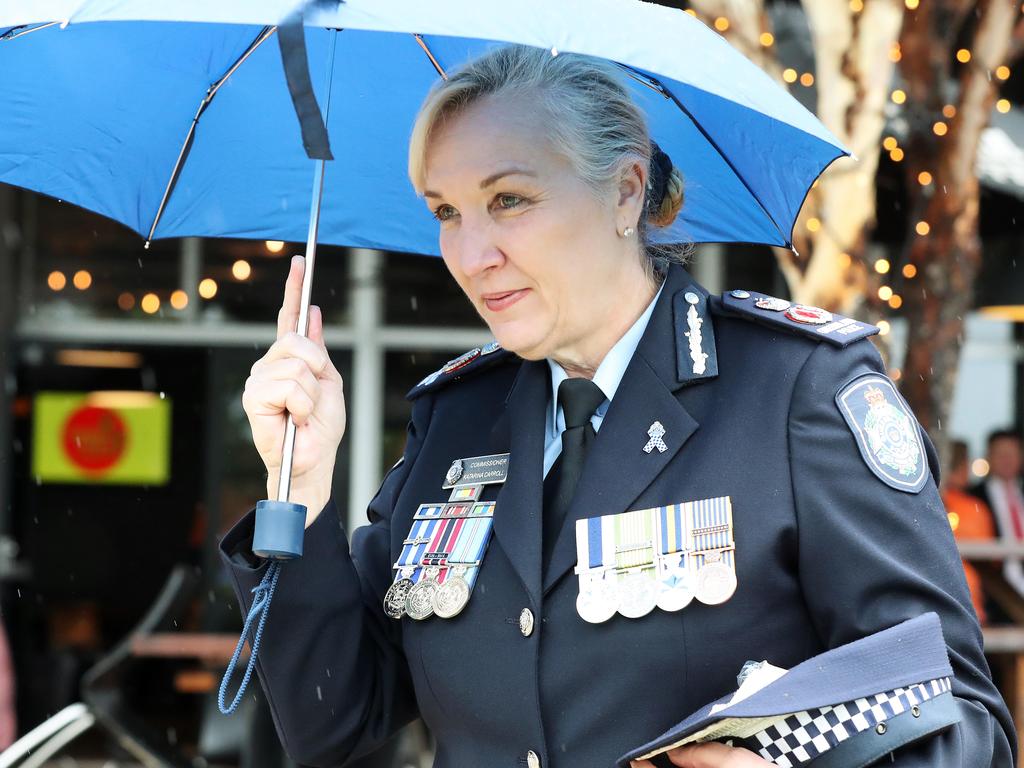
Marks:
<point>617,469</point>
<point>520,431</point>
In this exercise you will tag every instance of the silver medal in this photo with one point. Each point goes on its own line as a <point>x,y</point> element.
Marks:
<point>419,603</point>
<point>452,596</point>
<point>597,599</point>
<point>638,593</point>
<point>394,599</point>
<point>772,304</point>
<point>675,584</point>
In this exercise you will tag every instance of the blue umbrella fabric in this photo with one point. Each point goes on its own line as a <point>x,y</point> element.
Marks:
<point>176,119</point>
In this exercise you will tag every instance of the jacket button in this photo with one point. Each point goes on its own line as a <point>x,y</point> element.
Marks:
<point>526,627</point>
<point>532,761</point>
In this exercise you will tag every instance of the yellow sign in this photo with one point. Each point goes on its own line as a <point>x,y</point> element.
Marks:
<point>101,437</point>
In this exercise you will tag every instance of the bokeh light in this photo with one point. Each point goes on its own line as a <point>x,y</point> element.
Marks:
<point>56,281</point>
<point>179,299</point>
<point>208,288</point>
<point>150,303</point>
<point>241,270</point>
<point>82,279</point>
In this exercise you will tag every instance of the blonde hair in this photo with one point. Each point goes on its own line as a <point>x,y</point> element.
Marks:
<point>593,120</point>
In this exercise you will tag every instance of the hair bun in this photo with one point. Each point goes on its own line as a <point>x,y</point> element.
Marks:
<point>665,189</point>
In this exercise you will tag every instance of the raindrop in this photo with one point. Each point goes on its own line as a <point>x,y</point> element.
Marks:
<point>172,736</point>
<point>140,262</point>
<point>414,303</point>
<point>319,694</point>
<point>328,671</point>
<point>19,591</point>
<point>175,623</point>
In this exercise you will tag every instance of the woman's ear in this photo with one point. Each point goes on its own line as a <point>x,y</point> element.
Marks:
<point>632,186</point>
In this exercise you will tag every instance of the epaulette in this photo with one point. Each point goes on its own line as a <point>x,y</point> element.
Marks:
<point>798,318</point>
<point>464,365</point>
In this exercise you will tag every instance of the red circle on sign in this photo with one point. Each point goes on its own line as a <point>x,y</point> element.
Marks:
<point>94,438</point>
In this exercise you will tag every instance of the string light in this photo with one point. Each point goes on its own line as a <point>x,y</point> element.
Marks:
<point>895,374</point>
<point>882,266</point>
<point>896,155</point>
<point>56,281</point>
<point>954,520</point>
<point>896,301</point>
<point>883,327</point>
<point>922,228</point>
<point>789,75</point>
<point>912,4</point>
<point>845,260</point>
<point>813,224</point>
<point>949,111</point>
<point>150,303</point>
<point>909,271</point>
<point>898,96</point>
<point>924,178</point>
<point>1003,72</point>
<point>721,24</point>
<point>179,299</point>
<point>274,246</point>
<point>767,39</point>
<point>691,12</point>
<point>940,128</point>
<point>241,270</point>
<point>979,467</point>
<point>82,280</point>
<point>1003,105</point>
<point>806,79</point>
<point>208,288</point>
<point>963,56</point>
<point>890,143</point>
<point>885,293</point>
<point>856,5</point>
<point>126,301</point>
<point>895,53</point>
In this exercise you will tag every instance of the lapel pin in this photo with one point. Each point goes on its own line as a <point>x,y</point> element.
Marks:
<point>656,432</point>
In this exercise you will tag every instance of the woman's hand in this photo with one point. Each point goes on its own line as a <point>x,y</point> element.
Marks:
<point>296,376</point>
<point>710,755</point>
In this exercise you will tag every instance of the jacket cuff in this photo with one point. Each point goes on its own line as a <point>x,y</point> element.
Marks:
<point>236,546</point>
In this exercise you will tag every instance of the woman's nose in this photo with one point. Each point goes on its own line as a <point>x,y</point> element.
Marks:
<point>478,253</point>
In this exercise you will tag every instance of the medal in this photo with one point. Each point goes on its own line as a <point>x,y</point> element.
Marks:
<point>638,593</point>
<point>598,599</point>
<point>394,599</point>
<point>419,603</point>
<point>452,596</point>
<point>716,581</point>
<point>675,584</point>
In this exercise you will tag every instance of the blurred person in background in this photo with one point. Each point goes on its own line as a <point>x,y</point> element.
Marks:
<point>1003,493</point>
<point>969,517</point>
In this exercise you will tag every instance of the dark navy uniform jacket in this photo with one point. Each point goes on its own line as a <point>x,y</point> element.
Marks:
<point>826,552</point>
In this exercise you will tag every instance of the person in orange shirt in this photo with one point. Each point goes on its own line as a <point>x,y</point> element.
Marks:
<point>969,517</point>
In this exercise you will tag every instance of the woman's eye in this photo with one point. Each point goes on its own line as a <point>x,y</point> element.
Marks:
<point>508,201</point>
<point>441,213</point>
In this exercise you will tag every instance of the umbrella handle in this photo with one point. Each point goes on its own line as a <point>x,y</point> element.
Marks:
<point>302,326</point>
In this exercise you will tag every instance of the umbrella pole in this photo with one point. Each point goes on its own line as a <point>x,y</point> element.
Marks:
<point>302,326</point>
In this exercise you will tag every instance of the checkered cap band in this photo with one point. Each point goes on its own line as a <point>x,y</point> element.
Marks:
<point>803,736</point>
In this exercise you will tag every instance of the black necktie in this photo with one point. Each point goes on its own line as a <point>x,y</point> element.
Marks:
<point>579,398</point>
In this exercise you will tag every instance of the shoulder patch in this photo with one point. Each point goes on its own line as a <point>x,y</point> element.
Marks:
<point>465,364</point>
<point>886,432</point>
<point>797,318</point>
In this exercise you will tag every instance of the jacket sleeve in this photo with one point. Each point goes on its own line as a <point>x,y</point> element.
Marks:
<point>330,661</point>
<point>871,556</point>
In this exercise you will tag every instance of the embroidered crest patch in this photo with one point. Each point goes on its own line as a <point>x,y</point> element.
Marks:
<point>886,431</point>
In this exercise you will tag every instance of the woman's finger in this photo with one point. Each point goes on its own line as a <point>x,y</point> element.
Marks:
<point>288,315</point>
<point>712,754</point>
<point>289,369</point>
<point>641,764</point>
<point>292,345</point>
<point>271,398</point>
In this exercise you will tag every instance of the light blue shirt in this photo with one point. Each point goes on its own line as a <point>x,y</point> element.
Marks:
<point>607,377</point>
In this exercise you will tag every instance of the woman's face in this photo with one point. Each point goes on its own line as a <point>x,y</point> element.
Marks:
<point>536,252</point>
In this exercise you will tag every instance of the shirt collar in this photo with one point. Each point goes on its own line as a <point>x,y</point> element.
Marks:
<point>609,373</point>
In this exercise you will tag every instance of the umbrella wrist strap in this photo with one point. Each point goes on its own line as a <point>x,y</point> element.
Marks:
<point>263,592</point>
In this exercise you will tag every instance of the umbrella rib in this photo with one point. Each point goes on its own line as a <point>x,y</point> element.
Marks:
<point>14,34</point>
<point>265,33</point>
<point>655,85</point>
<point>426,50</point>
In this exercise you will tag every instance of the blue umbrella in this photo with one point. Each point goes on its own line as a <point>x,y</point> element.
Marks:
<point>177,120</point>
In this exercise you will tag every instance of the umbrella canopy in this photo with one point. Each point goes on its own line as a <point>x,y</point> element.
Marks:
<point>176,119</point>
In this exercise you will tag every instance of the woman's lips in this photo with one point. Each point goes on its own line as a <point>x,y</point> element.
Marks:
<point>498,302</point>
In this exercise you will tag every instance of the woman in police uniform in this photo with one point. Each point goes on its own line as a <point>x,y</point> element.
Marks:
<point>768,434</point>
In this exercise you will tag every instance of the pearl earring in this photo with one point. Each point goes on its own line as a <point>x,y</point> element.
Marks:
<point>627,232</point>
